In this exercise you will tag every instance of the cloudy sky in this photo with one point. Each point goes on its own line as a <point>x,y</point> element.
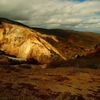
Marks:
<point>79,15</point>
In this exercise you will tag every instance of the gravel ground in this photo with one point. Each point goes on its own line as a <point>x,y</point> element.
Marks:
<point>60,83</point>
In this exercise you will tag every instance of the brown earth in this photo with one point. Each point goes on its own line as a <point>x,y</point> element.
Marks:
<point>62,83</point>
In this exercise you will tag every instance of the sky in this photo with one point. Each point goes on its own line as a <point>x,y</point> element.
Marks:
<point>78,15</point>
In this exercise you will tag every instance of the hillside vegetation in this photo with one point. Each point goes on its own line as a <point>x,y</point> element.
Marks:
<point>72,44</point>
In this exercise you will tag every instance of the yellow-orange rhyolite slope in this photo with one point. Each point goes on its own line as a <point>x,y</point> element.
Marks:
<point>26,43</point>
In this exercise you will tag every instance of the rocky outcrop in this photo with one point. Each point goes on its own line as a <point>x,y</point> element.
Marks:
<point>26,43</point>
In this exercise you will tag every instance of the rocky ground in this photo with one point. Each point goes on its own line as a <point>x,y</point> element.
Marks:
<point>62,83</point>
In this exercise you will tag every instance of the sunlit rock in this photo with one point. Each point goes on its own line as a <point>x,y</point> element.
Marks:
<point>26,43</point>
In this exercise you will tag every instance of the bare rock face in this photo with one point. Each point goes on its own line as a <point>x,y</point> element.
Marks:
<point>26,43</point>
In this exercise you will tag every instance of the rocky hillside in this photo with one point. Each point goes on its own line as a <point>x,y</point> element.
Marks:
<point>23,42</point>
<point>45,45</point>
<point>73,44</point>
<point>43,64</point>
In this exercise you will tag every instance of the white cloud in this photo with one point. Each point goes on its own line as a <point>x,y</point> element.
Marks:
<point>92,21</point>
<point>53,13</point>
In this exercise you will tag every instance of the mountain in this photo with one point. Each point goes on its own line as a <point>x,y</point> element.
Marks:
<point>71,43</point>
<point>23,42</point>
<point>45,45</point>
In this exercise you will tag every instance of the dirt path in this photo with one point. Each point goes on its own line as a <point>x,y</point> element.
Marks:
<point>50,84</point>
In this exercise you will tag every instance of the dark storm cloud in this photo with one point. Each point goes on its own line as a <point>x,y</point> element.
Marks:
<point>15,9</point>
<point>53,13</point>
